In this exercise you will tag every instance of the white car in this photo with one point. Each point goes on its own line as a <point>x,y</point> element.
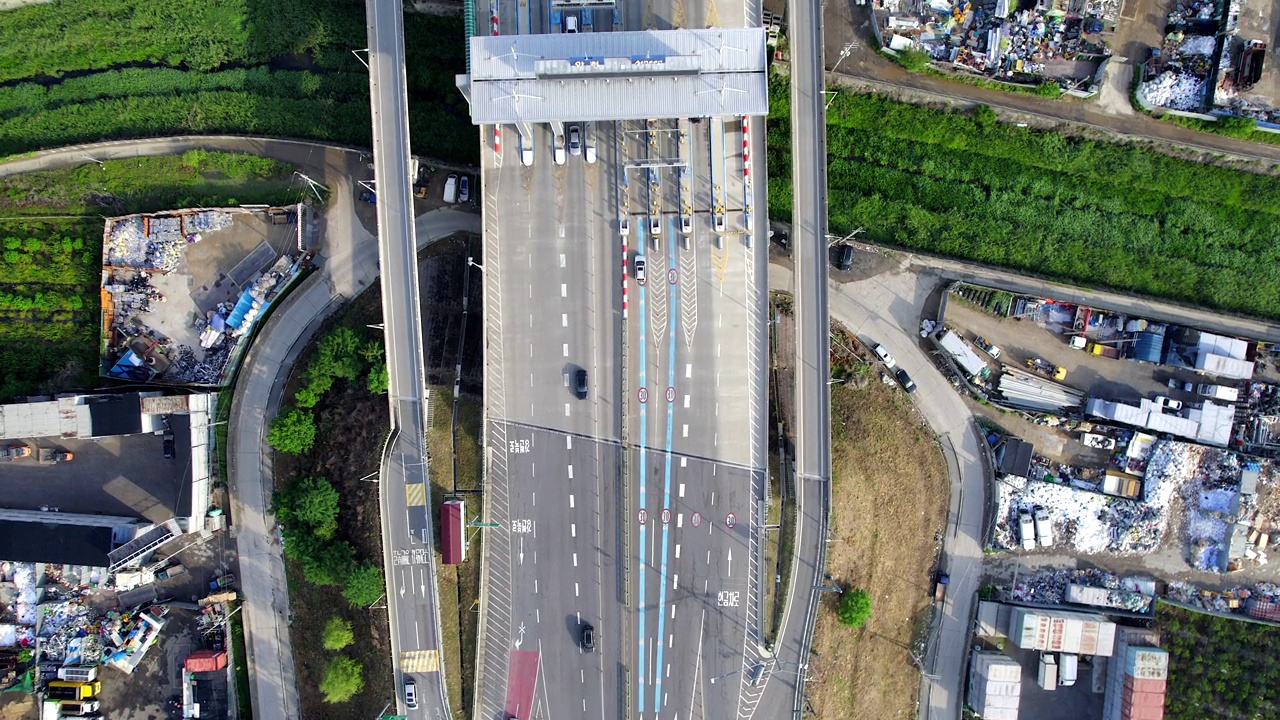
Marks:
<point>1168,403</point>
<point>526,152</point>
<point>575,140</point>
<point>558,144</point>
<point>639,265</point>
<point>1026,530</point>
<point>885,357</point>
<point>624,226</point>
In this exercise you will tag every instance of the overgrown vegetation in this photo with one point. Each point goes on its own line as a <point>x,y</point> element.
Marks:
<point>343,679</point>
<point>337,634</point>
<point>51,251</point>
<point>86,71</point>
<point>1218,667</point>
<point>1073,209</point>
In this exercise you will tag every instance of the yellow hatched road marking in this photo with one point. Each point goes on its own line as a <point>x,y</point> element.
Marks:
<point>415,494</point>
<point>416,661</point>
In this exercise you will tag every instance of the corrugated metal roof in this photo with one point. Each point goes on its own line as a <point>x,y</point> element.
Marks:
<point>617,75</point>
<point>719,50</point>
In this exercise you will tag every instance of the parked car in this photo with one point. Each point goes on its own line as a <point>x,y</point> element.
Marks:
<point>368,197</point>
<point>882,353</point>
<point>464,188</point>
<point>905,380</point>
<point>987,347</point>
<point>1168,403</point>
<point>1026,530</point>
<point>170,446</point>
<point>575,140</point>
<point>588,637</point>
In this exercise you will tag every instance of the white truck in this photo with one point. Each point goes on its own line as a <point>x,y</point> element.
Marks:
<point>1218,392</point>
<point>1048,675</point>
<point>1026,530</point>
<point>1044,528</point>
<point>1068,668</point>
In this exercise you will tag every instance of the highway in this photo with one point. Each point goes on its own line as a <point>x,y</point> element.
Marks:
<point>811,433</point>
<point>405,492</point>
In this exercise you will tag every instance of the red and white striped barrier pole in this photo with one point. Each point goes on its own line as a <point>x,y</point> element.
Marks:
<point>497,140</point>
<point>493,15</point>
<point>624,279</point>
<point>746,146</point>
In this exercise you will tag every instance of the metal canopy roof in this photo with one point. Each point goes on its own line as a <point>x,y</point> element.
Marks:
<point>617,75</point>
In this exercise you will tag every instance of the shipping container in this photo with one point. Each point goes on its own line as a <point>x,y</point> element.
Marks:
<point>453,532</point>
<point>78,673</point>
<point>206,661</point>
<point>1032,629</point>
<point>1048,674</point>
<point>995,685</point>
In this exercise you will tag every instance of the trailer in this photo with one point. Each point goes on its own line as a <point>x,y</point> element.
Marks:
<point>453,536</point>
<point>940,587</point>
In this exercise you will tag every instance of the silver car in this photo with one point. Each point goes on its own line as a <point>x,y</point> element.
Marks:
<point>575,140</point>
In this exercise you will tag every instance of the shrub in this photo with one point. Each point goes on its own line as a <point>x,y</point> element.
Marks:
<point>855,608</point>
<point>326,563</point>
<point>984,116</point>
<point>337,634</point>
<point>364,585</point>
<point>293,432</point>
<point>913,60</point>
<point>343,679</point>
<point>378,379</point>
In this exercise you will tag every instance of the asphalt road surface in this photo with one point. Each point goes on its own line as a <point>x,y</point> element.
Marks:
<point>405,498</point>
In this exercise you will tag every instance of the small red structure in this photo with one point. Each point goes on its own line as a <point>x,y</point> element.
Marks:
<point>453,537</point>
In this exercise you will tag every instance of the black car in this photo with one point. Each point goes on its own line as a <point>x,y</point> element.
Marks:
<point>588,637</point>
<point>580,382</point>
<point>907,383</point>
<point>170,447</point>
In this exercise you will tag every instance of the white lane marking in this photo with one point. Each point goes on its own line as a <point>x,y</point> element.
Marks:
<point>583,675</point>
<point>717,349</point>
<point>566,409</point>
<point>570,477</point>
<point>573,530</point>
<point>671,640</point>
<point>717,408</point>
<point>530,321</point>
<point>715,439</point>
<point>686,401</point>
<point>684,431</point>
<point>717,379</point>
<point>531,344</point>
<point>688,369</point>
<point>570,497</point>
<point>575,589</point>
<point>561,259</point>
<point>713,498</point>
<point>561,231</point>
<point>530,379</point>
<point>677,557</point>
<point>673,613</point>
<point>719,318</point>
<point>564,319</point>
<point>684,462</point>
<point>575,559</point>
<point>675,581</point>
<point>708,557</point>
<point>564,290</point>
<point>537,614</point>
<point>533,469</point>
<point>566,349</point>
<point>535,581</point>
<point>679,524</point>
<point>568,442</point>
<point>681,490</point>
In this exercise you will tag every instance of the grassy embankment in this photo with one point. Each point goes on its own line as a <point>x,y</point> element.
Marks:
<point>889,490</point>
<point>106,69</point>
<point>51,229</point>
<point>1070,209</point>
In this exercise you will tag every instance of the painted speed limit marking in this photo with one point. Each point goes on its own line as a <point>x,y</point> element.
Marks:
<point>730,520</point>
<point>643,515</point>
<point>696,519</point>
<point>671,394</point>
<point>672,276</point>
<point>666,516</point>
<point>643,395</point>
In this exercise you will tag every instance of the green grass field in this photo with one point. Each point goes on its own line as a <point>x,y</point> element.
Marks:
<point>99,69</point>
<point>1071,209</point>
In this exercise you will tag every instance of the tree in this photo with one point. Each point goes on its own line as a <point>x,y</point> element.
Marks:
<point>293,432</point>
<point>337,634</point>
<point>855,608</point>
<point>323,563</point>
<point>338,354</point>
<point>365,585</point>
<point>378,379</point>
<point>343,679</point>
<point>312,502</point>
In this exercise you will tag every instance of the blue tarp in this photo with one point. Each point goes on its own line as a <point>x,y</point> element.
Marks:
<point>240,310</point>
<point>1148,347</point>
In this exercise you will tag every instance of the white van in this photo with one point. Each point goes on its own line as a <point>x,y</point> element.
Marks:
<point>451,189</point>
<point>558,149</point>
<point>571,23</point>
<point>1068,668</point>
<point>78,673</point>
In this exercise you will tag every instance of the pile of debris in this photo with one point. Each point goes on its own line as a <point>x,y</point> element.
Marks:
<point>1173,90</point>
<point>157,241</point>
<point>1051,587</point>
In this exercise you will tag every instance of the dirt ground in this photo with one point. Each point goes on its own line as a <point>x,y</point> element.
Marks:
<point>352,424</point>
<point>889,498</point>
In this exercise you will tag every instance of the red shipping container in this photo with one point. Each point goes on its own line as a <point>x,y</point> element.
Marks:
<point>453,549</point>
<point>206,661</point>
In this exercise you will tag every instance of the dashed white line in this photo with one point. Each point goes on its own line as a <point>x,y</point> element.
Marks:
<point>573,530</point>
<point>564,290</point>
<point>684,431</point>
<point>571,495</point>
<point>686,401</point>
<point>566,349</point>
<point>535,583</point>
<point>677,557</point>
<point>717,349</point>
<point>566,409</point>
<point>684,462</point>
<point>679,524</point>
<point>681,490</point>
<point>575,589</point>
<point>568,442</point>
<point>533,469</point>
<point>673,612</point>
<point>671,640</point>
<point>537,612</point>
<point>719,318</point>
<point>533,497</point>
<point>564,319</point>
<point>688,370</point>
<point>575,559</point>
<point>570,477</point>
<point>675,581</point>
<point>561,259</point>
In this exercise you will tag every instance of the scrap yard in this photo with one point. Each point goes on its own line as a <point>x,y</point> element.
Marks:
<point>180,289</point>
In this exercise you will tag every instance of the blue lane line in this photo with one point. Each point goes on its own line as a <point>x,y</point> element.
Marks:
<point>666,490</point>
<point>640,599</point>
